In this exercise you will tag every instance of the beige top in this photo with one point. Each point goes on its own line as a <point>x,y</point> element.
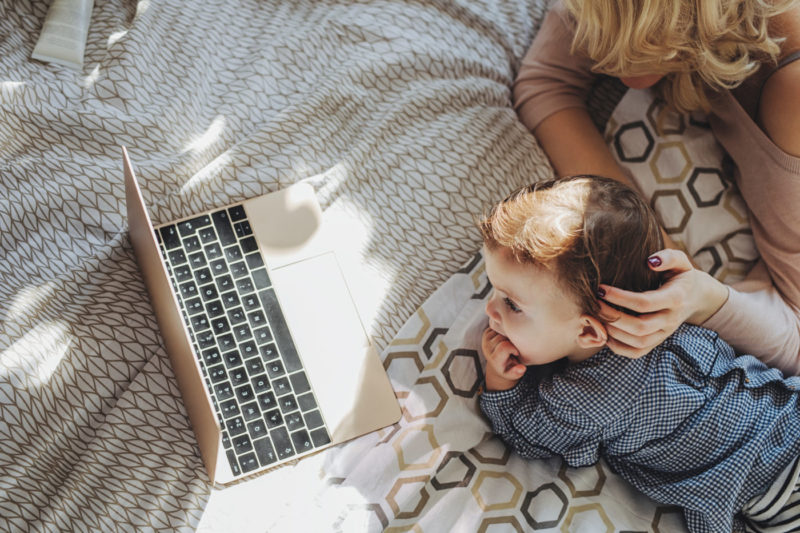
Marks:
<point>756,318</point>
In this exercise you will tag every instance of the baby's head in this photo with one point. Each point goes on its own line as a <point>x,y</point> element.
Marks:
<point>548,247</point>
<point>696,45</point>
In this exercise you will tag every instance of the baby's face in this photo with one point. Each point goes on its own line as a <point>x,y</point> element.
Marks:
<point>529,308</point>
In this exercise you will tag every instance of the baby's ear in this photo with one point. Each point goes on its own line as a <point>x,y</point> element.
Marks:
<point>593,333</point>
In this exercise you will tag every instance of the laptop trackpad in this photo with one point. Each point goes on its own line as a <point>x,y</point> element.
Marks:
<point>341,364</point>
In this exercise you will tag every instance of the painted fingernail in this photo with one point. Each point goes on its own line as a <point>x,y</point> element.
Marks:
<point>654,261</point>
<point>601,292</point>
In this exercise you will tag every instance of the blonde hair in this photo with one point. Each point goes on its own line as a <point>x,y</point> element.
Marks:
<point>585,229</point>
<point>698,45</point>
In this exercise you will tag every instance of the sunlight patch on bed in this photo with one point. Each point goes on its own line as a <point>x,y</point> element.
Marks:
<point>92,77</point>
<point>30,299</point>
<point>208,137</point>
<point>114,37</point>
<point>9,87</point>
<point>38,352</point>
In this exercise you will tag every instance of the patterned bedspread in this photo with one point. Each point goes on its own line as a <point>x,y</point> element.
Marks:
<point>398,113</point>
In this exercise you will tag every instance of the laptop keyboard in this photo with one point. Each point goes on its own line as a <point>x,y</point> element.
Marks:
<point>254,376</point>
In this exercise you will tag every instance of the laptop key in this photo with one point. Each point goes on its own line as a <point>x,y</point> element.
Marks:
<point>238,376</point>
<point>281,386</point>
<point>261,279</point>
<point>248,349</point>
<point>249,462</point>
<point>283,444</point>
<point>239,269</point>
<point>249,245</point>
<point>245,393</point>
<point>197,260</point>
<point>214,309</point>
<point>226,342</point>
<point>275,369</point>
<point>266,401</point>
<point>254,260</point>
<point>177,257</point>
<point>288,404</point>
<point>194,306</point>
<point>264,451</point>
<point>233,253</point>
<point>254,367</point>
<point>257,429</point>
<point>280,330</point>
<point>235,426</point>
<point>182,273</point>
<point>169,236</point>
<point>213,251</point>
<point>224,283</point>
<point>251,411</point>
<point>235,468</point>
<point>237,212</point>
<point>320,437</point>
<point>242,444</point>
<point>243,229</point>
<point>294,421</point>
<point>207,234</point>
<point>223,391</point>
<point>260,384</point>
<point>313,419</point>
<point>188,289</point>
<point>191,244</point>
<point>300,382</point>
<point>273,418</point>
<point>307,402</point>
<point>199,322</point>
<point>219,266</point>
<point>268,352</point>
<point>223,225</point>
<point>302,442</point>
<point>244,286</point>
<point>236,315</point>
<point>217,373</point>
<point>211,356</point>
<point>220,325</point>
<point>229,408</point>
<point>202,276</point>
<point>251,302</point>
<point>232,359</point>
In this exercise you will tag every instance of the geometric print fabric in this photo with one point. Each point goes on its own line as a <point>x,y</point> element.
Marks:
<point>397,113</point>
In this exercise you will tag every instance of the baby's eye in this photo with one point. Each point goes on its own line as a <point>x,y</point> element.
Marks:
<point>511,305</point>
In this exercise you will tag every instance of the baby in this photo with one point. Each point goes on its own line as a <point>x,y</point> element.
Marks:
<point>688,424</point>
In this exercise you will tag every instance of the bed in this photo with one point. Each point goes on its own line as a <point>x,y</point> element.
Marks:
<point>399,114</point>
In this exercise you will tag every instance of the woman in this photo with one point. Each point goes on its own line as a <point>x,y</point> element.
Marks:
<point>735,60</point>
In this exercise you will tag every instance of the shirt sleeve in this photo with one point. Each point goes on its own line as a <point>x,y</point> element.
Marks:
<point>538,425</point>
<point>755,320</point>
<point>550,77</point>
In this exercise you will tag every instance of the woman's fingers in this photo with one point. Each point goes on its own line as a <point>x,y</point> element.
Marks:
<point>641,343</point>
<point>670,259</point>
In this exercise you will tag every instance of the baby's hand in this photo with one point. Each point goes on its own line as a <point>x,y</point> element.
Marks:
<point>503,369</point>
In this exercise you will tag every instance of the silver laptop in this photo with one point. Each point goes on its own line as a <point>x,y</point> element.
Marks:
<point>267,346</point>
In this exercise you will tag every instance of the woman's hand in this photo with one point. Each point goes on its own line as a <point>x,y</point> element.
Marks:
<point>503,369</point>
<point>688,295</point>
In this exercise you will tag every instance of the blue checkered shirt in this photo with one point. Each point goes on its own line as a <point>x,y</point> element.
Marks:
<point>689,424</point>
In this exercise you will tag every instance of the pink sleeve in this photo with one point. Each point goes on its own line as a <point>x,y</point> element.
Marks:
<point>550,78</point>
<point>757,321</point>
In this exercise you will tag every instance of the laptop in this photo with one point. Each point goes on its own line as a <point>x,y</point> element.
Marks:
<point>270,355</point>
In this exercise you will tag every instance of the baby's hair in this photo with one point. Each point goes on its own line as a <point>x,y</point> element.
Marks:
<point>699,45</point>
<point>586,229</point>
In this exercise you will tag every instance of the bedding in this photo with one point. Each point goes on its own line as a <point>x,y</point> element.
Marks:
<point>398,113</point>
